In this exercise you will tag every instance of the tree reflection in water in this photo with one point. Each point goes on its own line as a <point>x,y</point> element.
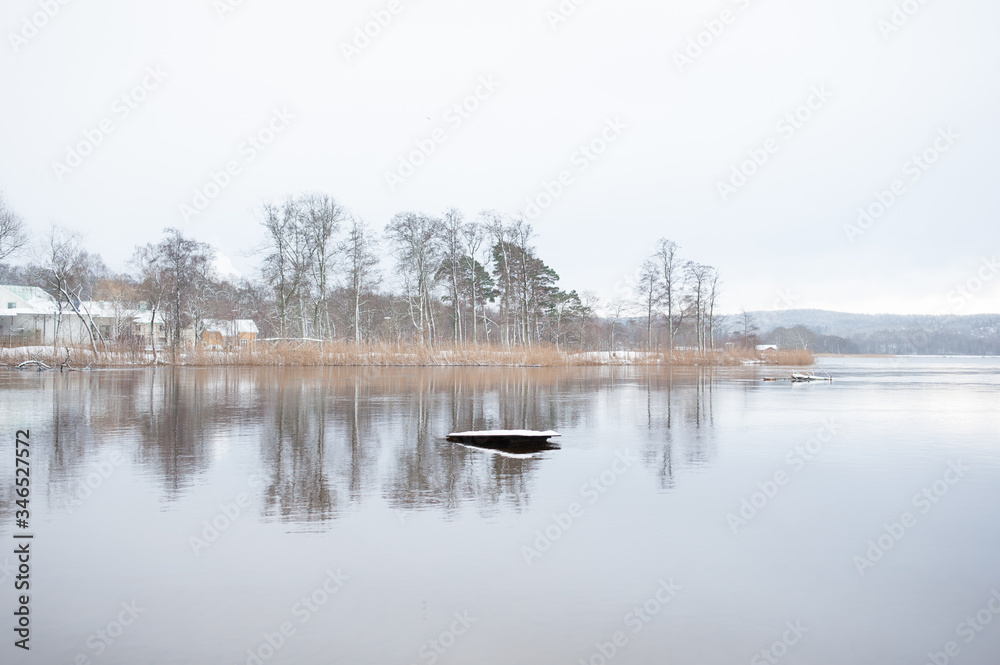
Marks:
<point>328,440</point>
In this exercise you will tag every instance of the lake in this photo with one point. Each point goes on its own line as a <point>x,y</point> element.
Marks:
<point>317,515</point>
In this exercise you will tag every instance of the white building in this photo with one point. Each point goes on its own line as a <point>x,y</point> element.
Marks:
<point>27,315</point>
<point>30,316</point>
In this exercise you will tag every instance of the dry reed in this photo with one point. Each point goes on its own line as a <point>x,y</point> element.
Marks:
<point>384,354</point>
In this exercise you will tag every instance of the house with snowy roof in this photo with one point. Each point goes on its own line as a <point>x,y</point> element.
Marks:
<point>219,333</point>
<point>30,316</point>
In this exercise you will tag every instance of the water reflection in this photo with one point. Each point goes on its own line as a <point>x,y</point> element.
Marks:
<point>328,440</point>
<point>510,448</point>
<point>679,414</point>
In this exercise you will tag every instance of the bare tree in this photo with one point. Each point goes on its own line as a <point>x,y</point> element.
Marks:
<point>522,234</point>
<point>416,241</point>
<point>13,236</point>
<point>276,268</point>
<point>361,268</point>
<point>619,307</point>
<point>699,278</point>
<point>649,291</point>
<point>185,268</point>
<point>748,328</point>
<point>322,217</point>
<point>452,226</point>
<point>287,260</point>
<point>152,285</point>
<point>121,293</point>
<point>711,300</point>
<point>670,268</point>
<point>473,236</point>
<point>69,276</point>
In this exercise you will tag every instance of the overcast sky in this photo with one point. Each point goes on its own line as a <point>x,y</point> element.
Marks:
<point>872,87</point>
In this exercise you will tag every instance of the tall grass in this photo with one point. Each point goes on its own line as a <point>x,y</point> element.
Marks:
<point>387,354</point>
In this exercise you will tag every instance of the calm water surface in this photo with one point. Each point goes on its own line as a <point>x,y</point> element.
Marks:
<point>702,516</point>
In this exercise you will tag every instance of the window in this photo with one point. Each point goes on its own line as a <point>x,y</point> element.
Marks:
<point>12,305</point>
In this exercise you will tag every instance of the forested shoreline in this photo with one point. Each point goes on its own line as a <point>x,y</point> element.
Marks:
<point>323,277</point>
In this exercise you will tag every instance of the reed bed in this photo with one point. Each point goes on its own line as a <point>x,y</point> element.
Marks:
<point>397,355</point>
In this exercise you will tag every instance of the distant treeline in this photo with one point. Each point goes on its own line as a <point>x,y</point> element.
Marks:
<point>320,276</point>
<point>835,332</point>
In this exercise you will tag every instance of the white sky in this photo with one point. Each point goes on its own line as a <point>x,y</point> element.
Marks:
<point>781,233</point>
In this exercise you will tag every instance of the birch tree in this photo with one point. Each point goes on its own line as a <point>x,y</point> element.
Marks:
<point>473,235</point>
<point>452,226</point>
<point>649,294</point>
<point>522,233</point>
<point>698,278</point>
<point>69,276</point>
<point>670,269</point>
<point>288,261</point>
<point>277,268</point>
<point>321,217</point>
<point>361,268</point>
<point>416,244</point>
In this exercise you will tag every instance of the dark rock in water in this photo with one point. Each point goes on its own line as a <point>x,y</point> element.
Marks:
<point>514,448</point>
<point>517,442</point>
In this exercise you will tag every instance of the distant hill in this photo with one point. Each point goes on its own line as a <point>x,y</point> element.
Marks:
<point>975,334</point>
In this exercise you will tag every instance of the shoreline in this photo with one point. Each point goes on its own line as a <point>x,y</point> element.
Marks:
<point>856,355</point>
<point>339,355</point>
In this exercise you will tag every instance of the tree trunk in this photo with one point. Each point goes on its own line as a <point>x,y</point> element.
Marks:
<point>152,333</point>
